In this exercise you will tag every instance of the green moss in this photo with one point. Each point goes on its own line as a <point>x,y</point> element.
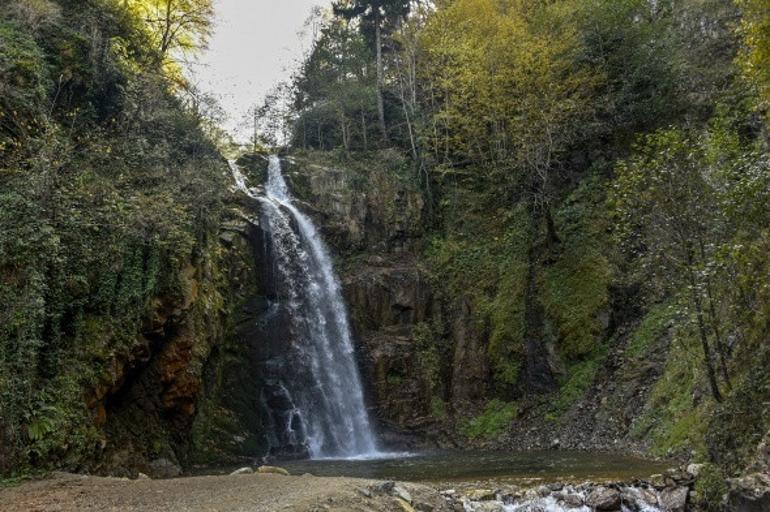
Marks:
<point>394,379</point>
<point>575,287</point>
<point>506,311</point>
<point>438,408</point>
<point>428,361</point>
<point>497,415</point>
<point>483,256</point>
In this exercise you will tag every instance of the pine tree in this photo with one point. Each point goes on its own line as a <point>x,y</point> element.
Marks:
<point>375,16</point>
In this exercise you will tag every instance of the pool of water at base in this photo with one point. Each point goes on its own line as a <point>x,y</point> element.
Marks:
<point>514,467</point>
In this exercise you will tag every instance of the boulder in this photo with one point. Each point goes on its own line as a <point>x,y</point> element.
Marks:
<point>658,481</point>
<point>401,493</point>
<point>679,476</point>
<point>164,468</point>
<point>648,496</point>
<point>480,495</point>
<point>569,500</point>
<point>673,499</point>
<point>383,487</point>
<point>750,493</point>
<point>603,498</point>
<point>272,469</point>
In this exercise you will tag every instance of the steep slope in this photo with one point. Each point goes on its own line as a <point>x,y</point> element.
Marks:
<point>120,262</point>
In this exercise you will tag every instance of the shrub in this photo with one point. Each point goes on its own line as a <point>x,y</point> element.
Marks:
<point>710,487</point>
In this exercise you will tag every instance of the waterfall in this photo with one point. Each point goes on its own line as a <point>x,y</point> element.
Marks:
<point>324,398</point>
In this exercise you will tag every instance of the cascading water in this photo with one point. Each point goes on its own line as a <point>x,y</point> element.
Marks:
<point>322,402</point>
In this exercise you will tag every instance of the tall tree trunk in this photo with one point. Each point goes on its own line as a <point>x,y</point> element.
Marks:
<point>380,80</point>
<point>165,42</point>
<point>708,358</point>
<point>363,130</point>
<point>716,325</point>
<point>345,135</point>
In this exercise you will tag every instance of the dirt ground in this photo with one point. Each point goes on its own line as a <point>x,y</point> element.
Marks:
<point>233,493</point>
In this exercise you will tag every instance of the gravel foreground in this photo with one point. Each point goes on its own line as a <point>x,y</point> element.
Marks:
<point>231,493</point>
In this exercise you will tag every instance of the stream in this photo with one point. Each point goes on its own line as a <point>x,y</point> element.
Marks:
<point>524,467</point>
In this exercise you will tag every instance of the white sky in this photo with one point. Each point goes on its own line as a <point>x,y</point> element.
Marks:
<point>255,45</point>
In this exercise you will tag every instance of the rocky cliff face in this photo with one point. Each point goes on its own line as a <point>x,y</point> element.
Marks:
<point>156,396</point>
<point>374,219</point>
<point>434,353</point>
<point>189,390</point>
<point>421,352</point>
<point>452,322</point>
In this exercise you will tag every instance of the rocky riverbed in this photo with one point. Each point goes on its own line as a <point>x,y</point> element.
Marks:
<point>269,489</point>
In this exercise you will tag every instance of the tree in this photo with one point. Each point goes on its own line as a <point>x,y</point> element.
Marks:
<point>668,216</point>
<point>175,26</point>
<point>407,54</point>
<point>374,16</point>
<point>333,91</point>
<point>505,91</point>
<point>755,59</point>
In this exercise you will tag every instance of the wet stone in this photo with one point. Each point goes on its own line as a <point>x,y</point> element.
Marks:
<point>604,498</point>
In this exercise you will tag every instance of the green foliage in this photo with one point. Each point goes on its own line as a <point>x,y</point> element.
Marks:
<point>652,327</point>
<point>507,309</point>
<point>578,379</point>
<point>755,58</point>
<point>173,28</point>
<point>674,418</point>
<point>110,193</point>
<point>575,287</point>
<point>736,426</point>
<point>710,488</point>
<point>505,88</point>
<point>495,418</point>
<point>483,256</point>
<point>24,83</point>
<point>334,94</point>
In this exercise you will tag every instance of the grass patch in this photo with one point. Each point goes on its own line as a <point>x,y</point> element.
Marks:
<point>653,326</point>
<point>674,420</point>
<point>710,486</point>
<point>578,380</point>
<point>497,415</point>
